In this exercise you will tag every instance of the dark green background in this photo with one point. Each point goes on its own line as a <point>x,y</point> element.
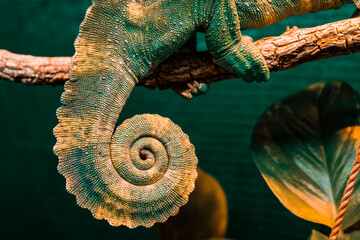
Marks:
<point>33,201</point>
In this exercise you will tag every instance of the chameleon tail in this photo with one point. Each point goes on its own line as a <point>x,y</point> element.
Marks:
<point>143,172</point>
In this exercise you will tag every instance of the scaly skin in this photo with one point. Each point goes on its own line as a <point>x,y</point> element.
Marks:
<point>144,172</point>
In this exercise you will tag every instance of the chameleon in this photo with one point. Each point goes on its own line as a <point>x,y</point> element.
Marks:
<point>144,171</point>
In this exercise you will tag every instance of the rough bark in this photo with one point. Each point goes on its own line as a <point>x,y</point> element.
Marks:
<point>294,47</point>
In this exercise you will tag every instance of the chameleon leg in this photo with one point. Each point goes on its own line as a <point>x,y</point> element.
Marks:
<point>230,49</point>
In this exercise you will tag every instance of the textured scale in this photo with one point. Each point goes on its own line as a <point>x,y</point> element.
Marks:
<point>145,170</point>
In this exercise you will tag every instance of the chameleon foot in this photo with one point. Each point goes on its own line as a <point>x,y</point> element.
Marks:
<point>191,89</point>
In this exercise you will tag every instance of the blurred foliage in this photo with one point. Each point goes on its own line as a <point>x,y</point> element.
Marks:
<point>205,216</point>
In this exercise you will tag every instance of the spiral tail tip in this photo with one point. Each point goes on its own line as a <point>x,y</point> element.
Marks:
<point>143,176</point>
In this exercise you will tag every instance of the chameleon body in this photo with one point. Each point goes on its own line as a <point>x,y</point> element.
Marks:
<point>144,171</point>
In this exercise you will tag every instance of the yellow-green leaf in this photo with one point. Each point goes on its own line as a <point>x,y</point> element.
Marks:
<point>315,235</point>
<point>305,146</point>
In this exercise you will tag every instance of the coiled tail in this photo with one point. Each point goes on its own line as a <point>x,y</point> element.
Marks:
<point>139,175</point>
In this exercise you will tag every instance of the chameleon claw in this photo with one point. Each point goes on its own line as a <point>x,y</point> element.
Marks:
<point>203,87</point>
<point>191,89</point>
<point>186,94</point>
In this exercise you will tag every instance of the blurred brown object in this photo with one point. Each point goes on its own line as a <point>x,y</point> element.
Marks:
<point>204,217</point>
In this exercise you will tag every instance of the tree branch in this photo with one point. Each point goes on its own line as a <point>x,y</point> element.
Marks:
<point>294,47</point>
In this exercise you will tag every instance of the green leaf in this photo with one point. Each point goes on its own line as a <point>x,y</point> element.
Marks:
<point>305,146</point>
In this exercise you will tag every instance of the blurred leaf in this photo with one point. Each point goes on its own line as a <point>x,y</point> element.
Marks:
<point>305,146</point>
<point>205,216</point>
<point>351,236</point>
<point>315,235</point>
